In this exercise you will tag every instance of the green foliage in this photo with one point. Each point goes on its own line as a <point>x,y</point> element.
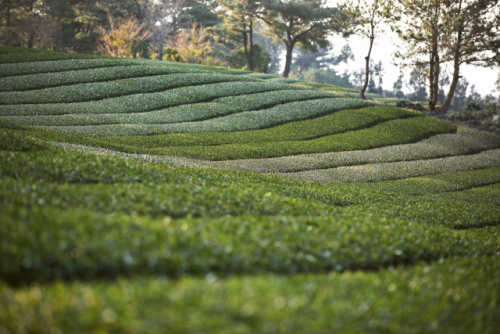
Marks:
<point>104,90</point>
<point>24,57</point>
<point>400,170</point>
<point>135,245</point>
<point>172,54</point>
<point>145,102</point>
<point>11,140</point>
<point>17,69</point>
<point>247,120</point>
<point>119,220</point>
<point>388,133</point>
<point>46,80</point>
<point>451,294</point>
<point>183,113</point>
<point>260,58</point>
<point>461,143</point>
<point>341,121</point>
<point>304,22</point>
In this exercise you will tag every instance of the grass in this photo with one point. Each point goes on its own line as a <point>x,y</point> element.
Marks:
<point>129,241</point>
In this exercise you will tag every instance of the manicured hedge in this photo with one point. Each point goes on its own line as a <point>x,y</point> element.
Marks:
<point>480,195</point>
<point>145,102</point>
<point>21,69</point>
<point>388,133</point>
<point>341,121</point>
<point>448,213</point>
<point>45,80</point>
<point>86,245</point>
<point>270,99</point>
<point>400,170</point>
<point>461,143</point>
<point>135,243</point>
<point>40,55</point>
<point>14,49</point>
<point>104,90</point>
<point>249,120</point>
<point>12,140</point>
<point>453,295</point>
<point>431,184</point>
<point>182,113</point>
<point>156,191</point>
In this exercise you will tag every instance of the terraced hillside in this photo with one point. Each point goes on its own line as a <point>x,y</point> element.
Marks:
<point>147,197</point>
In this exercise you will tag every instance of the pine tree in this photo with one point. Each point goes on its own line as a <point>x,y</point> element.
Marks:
<point>305,23</point>
<point>398,87</point>
<point>240,19</point>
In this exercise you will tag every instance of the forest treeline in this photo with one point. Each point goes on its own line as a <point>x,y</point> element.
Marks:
<point>256,34</point>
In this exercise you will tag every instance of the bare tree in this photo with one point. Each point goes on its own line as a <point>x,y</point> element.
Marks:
<point>365,18</point>
<point>162,18</point>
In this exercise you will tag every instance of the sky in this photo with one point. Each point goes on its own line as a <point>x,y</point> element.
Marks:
<point>384,49</point>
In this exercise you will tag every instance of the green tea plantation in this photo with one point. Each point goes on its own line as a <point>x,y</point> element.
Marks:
<point>157,197</point>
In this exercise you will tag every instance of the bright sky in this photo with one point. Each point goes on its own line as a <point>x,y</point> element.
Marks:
<point>483,78</point>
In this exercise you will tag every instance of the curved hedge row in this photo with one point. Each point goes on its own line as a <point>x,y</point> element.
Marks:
<point>147,101</point>
<point>461,143</point>
<point>21,69</point>
<point>137,245</point>
<point>341,121</point>
<point>400,170</point>
<point>479,195</point>
<point>248,120</point>
<point>385,301</point>
<point>105,90</point>
<point>45,80</point>
<point>40,55</point>
<point>392,132</point>
<point>182,113</point>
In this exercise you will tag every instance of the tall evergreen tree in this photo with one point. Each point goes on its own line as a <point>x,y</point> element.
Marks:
<point>474,30</point>
<point>240,19</point>
<point>398,87</point>
<point>323,58</point>
<point>460,96</point>
<point>305,23</point>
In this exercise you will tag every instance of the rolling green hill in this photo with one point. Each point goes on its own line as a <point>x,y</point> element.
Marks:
<point>150,197</point>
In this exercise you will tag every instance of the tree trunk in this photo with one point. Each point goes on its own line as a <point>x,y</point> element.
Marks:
<point>367,71</point>
<point>434,80</point>
<point>7,23</point>
<point>288,60</point>
<point>456,68</point>
<point>451,91</point>
<point>160,51</point>
<point>250,37</point>
<point>245,44</point>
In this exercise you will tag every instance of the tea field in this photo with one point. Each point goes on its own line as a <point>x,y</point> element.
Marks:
<point>154,197</point>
